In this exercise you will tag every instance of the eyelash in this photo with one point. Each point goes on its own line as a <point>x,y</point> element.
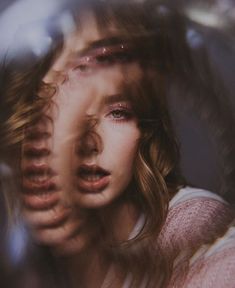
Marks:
<point>126,114</point>
<point>100,60</point>
<point>112,58</point>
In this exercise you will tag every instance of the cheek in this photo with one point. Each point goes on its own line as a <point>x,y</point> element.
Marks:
<point>121,142</point>
<point>70,106</point>
<point>68,115</point>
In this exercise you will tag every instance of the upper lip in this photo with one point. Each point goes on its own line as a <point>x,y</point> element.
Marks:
<point>32,151</point>
<point>33,133</point>
<point>92,178</point>
<point>38,177</point>
<point>38,169</point>
<point>85,168</point>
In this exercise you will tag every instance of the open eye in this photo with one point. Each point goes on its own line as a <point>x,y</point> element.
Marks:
<point>123,57</point>
<point>85,65</point>
<point>120,114</point>
<point>103,57</point>
<point>83,68</point>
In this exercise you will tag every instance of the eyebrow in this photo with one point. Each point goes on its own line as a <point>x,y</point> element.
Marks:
<point>110,99</point>
<point>113,40</point>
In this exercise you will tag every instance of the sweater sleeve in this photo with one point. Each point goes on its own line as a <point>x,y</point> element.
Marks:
<point>213,266</point>
<point>191,233</point>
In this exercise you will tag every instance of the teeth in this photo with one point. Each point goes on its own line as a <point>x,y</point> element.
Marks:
<point>38,178</point>
<point>43,195</point>
<point>92,178</point>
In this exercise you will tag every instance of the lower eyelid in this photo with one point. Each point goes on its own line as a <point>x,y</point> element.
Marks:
<point>124,115</point>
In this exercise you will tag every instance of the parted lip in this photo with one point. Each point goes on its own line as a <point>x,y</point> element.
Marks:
<point>32,151</point>
<point>39,187</point>
<point>41,169</point>
<point>33,133</point>
<point>86,168</point>
<point>92,178</point>
<point>41,201</point>
<point>38,177</point>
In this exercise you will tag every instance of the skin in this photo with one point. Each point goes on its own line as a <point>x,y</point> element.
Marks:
<point>64,221</point>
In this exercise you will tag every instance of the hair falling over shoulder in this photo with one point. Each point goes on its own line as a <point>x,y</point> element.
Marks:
<point>156,173</point>
<point>21,105</point>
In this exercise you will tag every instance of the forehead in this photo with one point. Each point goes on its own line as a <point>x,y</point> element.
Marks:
<point>107,81</point>
<point>84,36</point>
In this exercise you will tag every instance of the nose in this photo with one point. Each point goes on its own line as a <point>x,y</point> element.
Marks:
<point>90,142</point>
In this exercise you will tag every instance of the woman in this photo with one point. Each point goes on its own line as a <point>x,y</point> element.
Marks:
<point>100,183</point>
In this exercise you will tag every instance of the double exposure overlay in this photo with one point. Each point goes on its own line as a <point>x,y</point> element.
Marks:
<point>117,117</point>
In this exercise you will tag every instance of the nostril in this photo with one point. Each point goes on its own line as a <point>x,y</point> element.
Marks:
<point>89,144</point>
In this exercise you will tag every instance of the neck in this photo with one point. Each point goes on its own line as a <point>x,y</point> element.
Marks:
<point>89,267</point>
<point>119,220</point>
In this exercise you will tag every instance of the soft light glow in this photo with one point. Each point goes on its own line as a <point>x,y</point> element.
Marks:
<point>28,26</point>
<point>205,17</point>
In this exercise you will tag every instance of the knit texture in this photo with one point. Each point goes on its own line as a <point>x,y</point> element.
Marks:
<point>197,239</point>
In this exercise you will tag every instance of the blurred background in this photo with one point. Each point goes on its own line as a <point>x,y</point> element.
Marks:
<point>201,99</point>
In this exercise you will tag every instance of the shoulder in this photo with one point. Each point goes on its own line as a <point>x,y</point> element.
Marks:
<point>195,217</point>
<point>200,206</point>
<point>213,265</point>
<point>199,239</point>
<point>190,193</point>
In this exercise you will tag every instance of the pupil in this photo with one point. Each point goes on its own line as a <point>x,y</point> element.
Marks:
<point>117,114</point>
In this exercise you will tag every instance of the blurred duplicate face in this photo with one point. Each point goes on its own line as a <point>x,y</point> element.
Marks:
<point>81,153</point>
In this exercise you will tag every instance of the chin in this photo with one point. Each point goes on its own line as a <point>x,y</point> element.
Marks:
<point>96,200</point>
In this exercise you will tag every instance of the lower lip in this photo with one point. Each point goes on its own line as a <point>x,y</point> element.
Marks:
<point>39,195</point>
<point>40,201</point>
<point>86,186</point>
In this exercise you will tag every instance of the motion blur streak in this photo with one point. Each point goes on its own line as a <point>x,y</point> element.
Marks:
<point>219,15</point>
<point>29,26</point>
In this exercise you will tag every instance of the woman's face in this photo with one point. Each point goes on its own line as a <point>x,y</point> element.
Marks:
<point>94,137</point>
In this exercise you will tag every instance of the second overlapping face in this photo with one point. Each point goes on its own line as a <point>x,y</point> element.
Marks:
<point>82,151</point>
